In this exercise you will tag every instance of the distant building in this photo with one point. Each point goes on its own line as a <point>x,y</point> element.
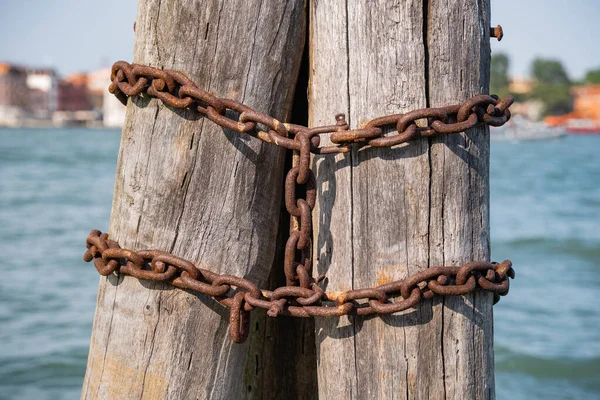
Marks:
<point>14,93</point>
<point>586,101</point>
<point>43,90</point>
<point>89,92</point>
<point>13,86</point>
<point>531,109</point>
<point>37,97</point>
<point>97,85</point>
<point>73,93</point>
<point>520,85</point>
<point>585,117</point>
<point>112,109</point>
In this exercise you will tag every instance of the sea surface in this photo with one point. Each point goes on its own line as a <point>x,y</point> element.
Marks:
<point>55,185</point>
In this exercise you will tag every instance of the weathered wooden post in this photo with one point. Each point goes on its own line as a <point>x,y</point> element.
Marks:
<point>384,214</point>
<point>190,187</point>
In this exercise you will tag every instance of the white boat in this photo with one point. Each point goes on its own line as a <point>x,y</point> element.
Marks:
<point>521,128</point>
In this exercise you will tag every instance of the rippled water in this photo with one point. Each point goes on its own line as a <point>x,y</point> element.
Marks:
<point>545,211</point>
<point>57,184</point>
<point>54,186</point>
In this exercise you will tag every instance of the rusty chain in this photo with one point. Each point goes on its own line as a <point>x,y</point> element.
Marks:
<point>302,296</point>
<point>176,90</point>
<point>296,301</point>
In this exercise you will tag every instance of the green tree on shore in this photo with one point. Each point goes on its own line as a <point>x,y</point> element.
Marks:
<point>499,79</point>
<point>592,77</point>
<point>552,86</point>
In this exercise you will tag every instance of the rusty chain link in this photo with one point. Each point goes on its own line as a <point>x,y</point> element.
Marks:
<point>302,296</point>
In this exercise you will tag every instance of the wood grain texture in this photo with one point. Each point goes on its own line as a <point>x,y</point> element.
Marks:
<point>459,62</point>
<point>204,193</point>
<point>384,214</point>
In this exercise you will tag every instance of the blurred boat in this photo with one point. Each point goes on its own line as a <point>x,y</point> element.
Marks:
<point>583,126</point>
<point>521,128</point>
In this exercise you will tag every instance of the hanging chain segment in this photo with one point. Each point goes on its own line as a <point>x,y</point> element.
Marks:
<point>302,296</point>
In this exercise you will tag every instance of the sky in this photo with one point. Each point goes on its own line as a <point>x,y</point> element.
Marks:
<point>558,29</point>
<point>85,35</point>
<point>68,35</point>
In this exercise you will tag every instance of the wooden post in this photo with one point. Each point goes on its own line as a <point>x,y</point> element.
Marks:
<point>204,193</point>
<point>384,214</point>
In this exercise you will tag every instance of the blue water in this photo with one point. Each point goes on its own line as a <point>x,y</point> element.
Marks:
<point>55,185</point>
<point>545,217</point>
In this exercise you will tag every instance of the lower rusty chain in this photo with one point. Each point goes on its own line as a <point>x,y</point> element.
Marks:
<point>296,301</point>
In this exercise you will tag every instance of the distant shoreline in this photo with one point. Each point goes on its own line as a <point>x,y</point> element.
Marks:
<point>45,125</point>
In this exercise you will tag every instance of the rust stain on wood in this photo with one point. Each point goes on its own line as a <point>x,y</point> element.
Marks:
<point>384,276</point>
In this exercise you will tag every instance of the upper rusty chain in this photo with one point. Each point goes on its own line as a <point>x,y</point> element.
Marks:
<point>302,296</point>
<point>176,90</point>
